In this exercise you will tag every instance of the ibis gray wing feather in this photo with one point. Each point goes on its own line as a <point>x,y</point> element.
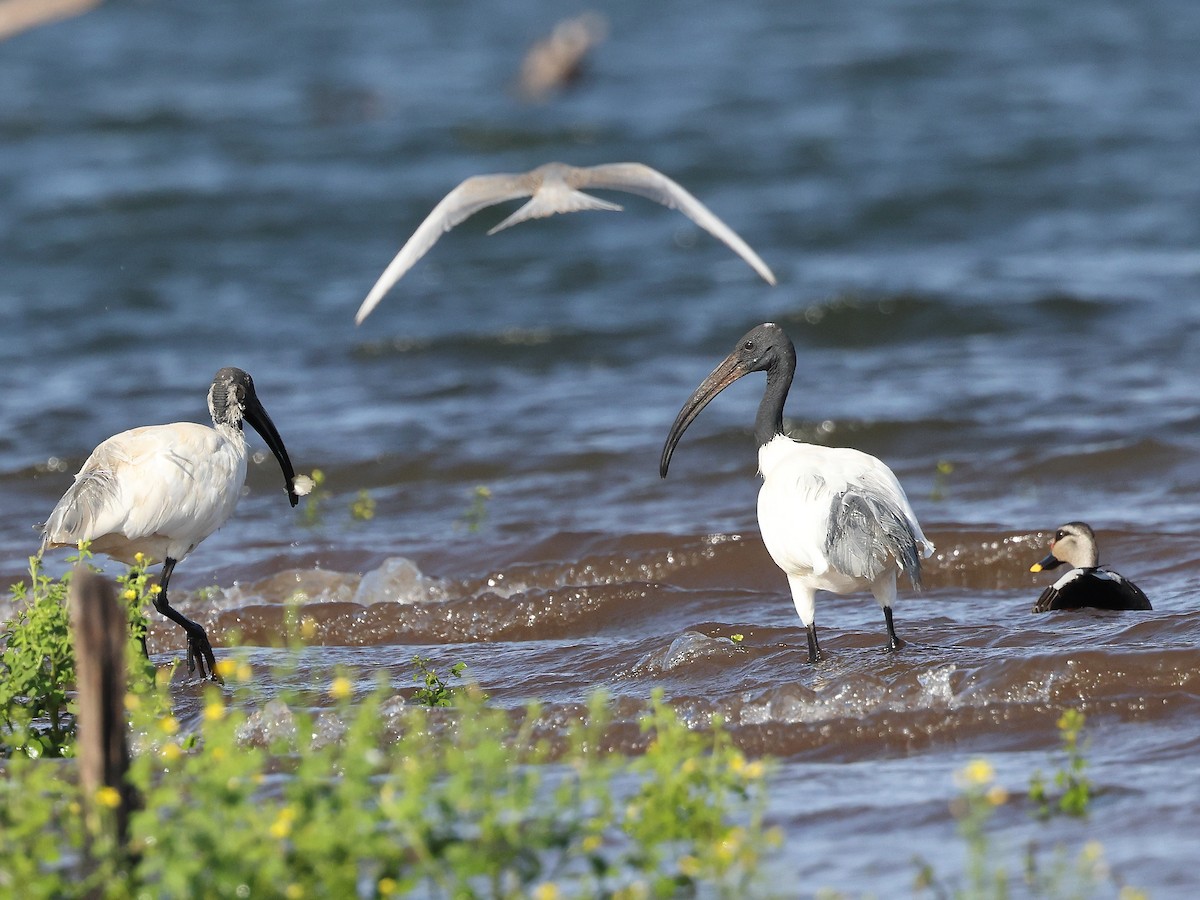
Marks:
<point>74,519</point>
<point>474,194</point>
<point>868,532</point>
<point>640,179</point>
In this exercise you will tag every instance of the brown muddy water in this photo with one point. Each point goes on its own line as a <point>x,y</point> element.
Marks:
<point>985,224</point>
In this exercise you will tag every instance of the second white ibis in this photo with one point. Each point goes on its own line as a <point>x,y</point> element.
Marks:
<point>833,519</point>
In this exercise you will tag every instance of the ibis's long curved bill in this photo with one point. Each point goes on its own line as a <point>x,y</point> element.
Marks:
<point>256,415</point>
<point>726,373</point>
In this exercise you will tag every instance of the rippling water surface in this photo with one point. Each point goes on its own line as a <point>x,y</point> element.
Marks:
<point>985,220</point>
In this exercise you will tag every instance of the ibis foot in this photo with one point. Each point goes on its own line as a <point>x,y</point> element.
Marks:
<point>200,654</point>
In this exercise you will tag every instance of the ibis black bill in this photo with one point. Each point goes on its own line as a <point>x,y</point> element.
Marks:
<point>257,416</point>
<point>726,373</point>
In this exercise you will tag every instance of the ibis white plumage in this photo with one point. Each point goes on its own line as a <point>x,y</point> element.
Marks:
<point>833,519</point>
<point>553,188</point>
<point>162,489</point>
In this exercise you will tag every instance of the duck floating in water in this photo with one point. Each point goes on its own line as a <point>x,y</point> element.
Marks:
<point>1086,585</point>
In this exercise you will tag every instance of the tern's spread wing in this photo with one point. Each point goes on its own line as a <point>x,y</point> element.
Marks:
<point>644,181</point>
<point>474,194</point>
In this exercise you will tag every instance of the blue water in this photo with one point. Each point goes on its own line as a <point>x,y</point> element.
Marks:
<point>985,220</point>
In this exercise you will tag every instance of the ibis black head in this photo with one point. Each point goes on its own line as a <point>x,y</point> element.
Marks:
<point>1073,544</point>
<point>231,399</point>
<point>764,348</point>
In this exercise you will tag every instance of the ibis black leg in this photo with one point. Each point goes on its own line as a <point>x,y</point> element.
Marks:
<point>894,643</point>
<point>199,650</point>
<point>814,649</point>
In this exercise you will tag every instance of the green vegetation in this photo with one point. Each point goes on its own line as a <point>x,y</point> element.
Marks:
<point>941,480</point>
<point>315,499</point>
<point>433,691</point>
<point>476,513</point>
<point>362,508</point>
<point>37,666</point>
<point>462,804</point>
<point>987,875</point>
<point>374,800</point>
<point>1075,789</point>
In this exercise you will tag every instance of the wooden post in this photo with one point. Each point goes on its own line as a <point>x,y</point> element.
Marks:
<point>100,629</point>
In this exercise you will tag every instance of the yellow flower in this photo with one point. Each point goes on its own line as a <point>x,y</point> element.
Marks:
<point>108,796</point>
<point>244,672</point>
<point>218,754</point>
<point>226,667</point>
<point>169,724</point>
<point>308,628</point>
<point>638,890</point>
<point>592,843</point>
<point>214,711</point>
<point>977,773</point>
<point>341,688</point>
<point>293,892</point>
<point>730,845</point>
<point>387,886</point>
<point>282,826</point>
<point>547,890</point>
<point>139,557</point>
<point>754,770</point>
<point>997,795</point>
<point>689,866</point>
<point>130,594</point>
<point>132,702</point>
<point>155,590</point>
<point>172,751</point>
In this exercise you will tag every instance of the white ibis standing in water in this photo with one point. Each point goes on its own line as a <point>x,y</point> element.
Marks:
<point>834,519</point>
<point>162,489</point>
<point>1086,584</point>
<point>554,188</point>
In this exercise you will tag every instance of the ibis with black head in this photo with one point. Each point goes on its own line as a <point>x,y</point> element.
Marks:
<point>162,489</point>
<point>832,518</point>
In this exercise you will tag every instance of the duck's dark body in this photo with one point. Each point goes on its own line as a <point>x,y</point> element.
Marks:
<point>1092,588</point>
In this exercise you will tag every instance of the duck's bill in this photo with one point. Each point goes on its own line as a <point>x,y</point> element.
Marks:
<point>1050,562</point>
<point>726,373</point>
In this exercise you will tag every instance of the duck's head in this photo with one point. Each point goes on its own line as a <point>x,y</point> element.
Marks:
<point>1073,544</point>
